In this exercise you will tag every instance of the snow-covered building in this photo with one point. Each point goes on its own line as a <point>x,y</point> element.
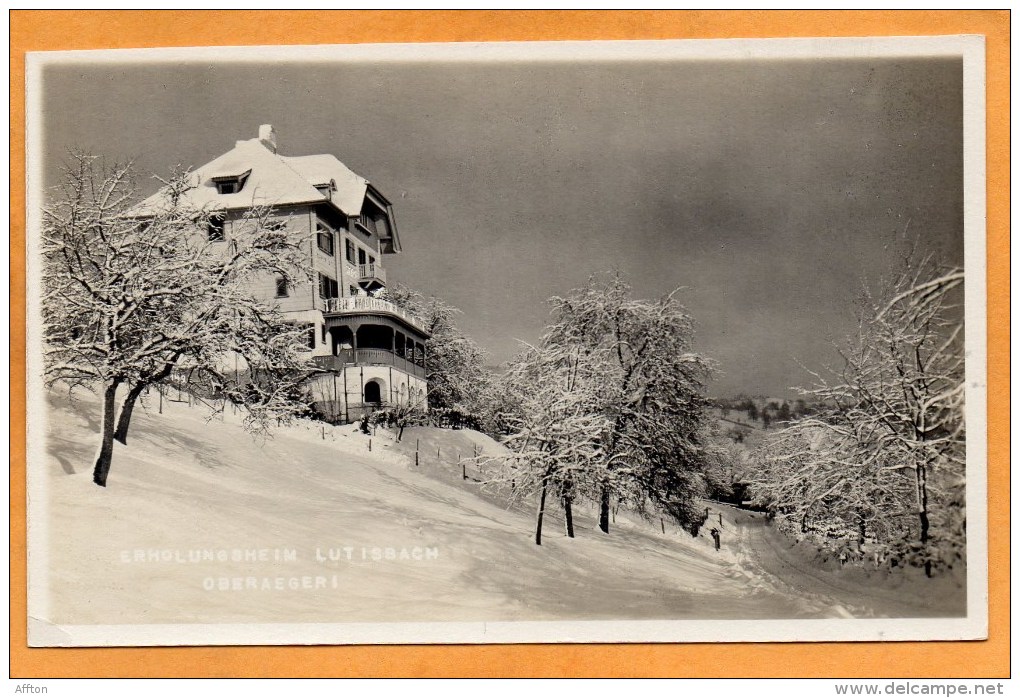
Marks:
<point>374,351</point>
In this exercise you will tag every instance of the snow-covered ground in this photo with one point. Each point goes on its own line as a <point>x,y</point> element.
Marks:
<point>202,524</point>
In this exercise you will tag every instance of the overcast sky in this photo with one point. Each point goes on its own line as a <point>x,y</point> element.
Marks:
<point>769,189</point>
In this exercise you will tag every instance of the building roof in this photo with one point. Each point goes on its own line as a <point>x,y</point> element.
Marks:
<point>273,179</point>
<point>321,170</point>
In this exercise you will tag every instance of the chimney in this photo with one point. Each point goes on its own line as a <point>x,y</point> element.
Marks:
<point>267,136</point>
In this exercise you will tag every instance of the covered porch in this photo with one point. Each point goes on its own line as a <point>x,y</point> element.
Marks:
<point>375,341</point>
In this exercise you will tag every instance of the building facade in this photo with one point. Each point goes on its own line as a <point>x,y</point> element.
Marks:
<point>372,352</point>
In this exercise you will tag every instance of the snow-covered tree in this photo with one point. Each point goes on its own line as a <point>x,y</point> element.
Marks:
<point>557,429</point>
<point>634,406</point>
<point>883,457</point>
<point>133,295</point>
<point>455,366</point>
<point>654,449</point>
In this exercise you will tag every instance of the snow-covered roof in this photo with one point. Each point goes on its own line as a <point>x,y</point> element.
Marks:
<point>272,179</point>
<point>321,170</point>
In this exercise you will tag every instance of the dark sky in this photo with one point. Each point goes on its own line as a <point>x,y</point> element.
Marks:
<point>770,189</point>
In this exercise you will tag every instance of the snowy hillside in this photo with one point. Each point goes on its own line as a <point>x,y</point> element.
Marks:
<point>202,524</point>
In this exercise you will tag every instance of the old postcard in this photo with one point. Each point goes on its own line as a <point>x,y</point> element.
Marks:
<point>651,341</point>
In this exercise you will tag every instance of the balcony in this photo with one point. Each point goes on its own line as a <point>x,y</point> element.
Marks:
<point>364,357</point>
<point>367,304</point>
<point>371,273</point>
<point>366,223</point>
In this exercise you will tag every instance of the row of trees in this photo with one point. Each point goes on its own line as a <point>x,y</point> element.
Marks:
<point>134,296</point>
<point>771,411</point>
<point>881,464</point>
<point>607,407</point>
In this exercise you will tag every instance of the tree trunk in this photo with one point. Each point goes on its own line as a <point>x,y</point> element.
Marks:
<point>105,457</point>
<point>567,500</point>
<point>604,510</point>
<point>921,491</point>
<point>129,402</point>
<point>541,512</point>
<point>922,513</point>
<point>125,413</point>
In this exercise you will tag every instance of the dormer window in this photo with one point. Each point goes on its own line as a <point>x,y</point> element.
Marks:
<point>327,189</point>
<point>230,184</point>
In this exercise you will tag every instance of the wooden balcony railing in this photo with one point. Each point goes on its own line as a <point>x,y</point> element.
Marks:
<point>362,304</point>
<point>379,357</point>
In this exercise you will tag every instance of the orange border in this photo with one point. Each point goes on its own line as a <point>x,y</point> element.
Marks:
<point>65,30</point>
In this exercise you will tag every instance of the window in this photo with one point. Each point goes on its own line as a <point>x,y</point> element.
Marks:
<point>215,229</point>
<point>362,256</point>
<point>328,287</point>
<point>326,189</point>
<point>282,287</point>
<point>230,184</point>
<point>354,290</point>
<point>311,336</point>
<point>350,252</point>
<point>367,222</point>
<point>324,237</point>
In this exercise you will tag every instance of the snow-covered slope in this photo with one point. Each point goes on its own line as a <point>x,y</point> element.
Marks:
<point>202,524</point>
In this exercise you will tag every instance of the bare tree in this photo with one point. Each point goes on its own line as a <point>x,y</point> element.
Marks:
<point>653,449</point>
<point>133,294</point>
<point>610,404</point>
<point>884,455</point>
<point>557,430</point>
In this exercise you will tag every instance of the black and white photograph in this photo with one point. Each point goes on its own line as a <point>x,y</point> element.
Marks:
<point>652,341</point>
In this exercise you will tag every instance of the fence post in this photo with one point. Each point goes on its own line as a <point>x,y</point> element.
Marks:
<point>370,445</point>
<point>463,468</point>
